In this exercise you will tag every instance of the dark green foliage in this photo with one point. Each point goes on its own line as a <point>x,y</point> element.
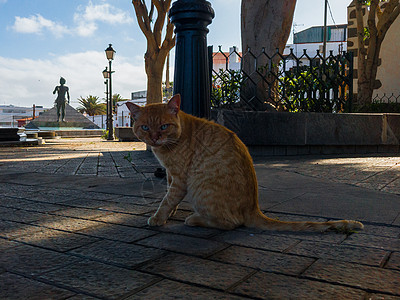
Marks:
<point>310,89</point>
<point>316,88</point>
<point>226,88</point>
<point>91,105</point>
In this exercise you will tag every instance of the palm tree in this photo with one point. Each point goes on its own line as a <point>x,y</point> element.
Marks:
<point>117,98</point>
<point>91,106</point>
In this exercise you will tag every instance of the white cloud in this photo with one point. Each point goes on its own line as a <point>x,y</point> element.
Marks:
<point>37,24</point>
<point>85,29</point>
<point>26,81</point>
<point>86,21</point>
<point>87,17</point>
<point>102,12</point>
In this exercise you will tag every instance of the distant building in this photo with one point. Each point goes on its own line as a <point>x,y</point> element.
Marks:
<point>227,60</point>
<point>138,95</point>
<point>315,34</point>
<point>10,114</point>
<point>311,40</point>
<point>99,120</point>
<point>122,115</point>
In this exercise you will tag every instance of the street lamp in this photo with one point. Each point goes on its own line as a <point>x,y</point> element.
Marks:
<point>110,56</point>
<point>106,75</point>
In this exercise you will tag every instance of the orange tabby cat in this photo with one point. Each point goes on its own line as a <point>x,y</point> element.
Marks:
<point>212,168</point>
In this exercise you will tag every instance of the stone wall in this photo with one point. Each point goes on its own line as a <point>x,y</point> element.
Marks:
<point>313,133</point>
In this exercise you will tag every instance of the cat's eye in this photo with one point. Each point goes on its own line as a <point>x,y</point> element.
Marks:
<point>165,126</point>
<point>145,127</point>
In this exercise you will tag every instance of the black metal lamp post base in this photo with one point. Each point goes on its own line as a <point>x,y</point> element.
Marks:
<point>192,73</point>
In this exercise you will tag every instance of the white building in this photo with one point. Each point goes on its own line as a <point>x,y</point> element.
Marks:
<point>122,117</point>
<point>311,39</point>
<point>9,114</point>
<point>99,120</point>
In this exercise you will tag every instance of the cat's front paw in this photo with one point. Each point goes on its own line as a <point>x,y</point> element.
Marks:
<point>155,221</point>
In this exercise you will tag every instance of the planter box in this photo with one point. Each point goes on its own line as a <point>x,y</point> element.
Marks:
<point>125,134</point>
<point>80,133</point>
<point>313,133</point>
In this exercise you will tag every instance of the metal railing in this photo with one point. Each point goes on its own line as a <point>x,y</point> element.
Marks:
<point>282,82</point>
<point>384,103</point>
<point>389,98</point>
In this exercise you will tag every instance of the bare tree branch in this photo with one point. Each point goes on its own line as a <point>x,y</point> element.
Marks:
<point>379,20</point>
<point>151,11</point>
<point>371,22</point>
<point>389,15</point>
<point>157,48</point>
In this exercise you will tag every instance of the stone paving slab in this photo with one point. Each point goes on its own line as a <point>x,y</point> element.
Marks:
<point>167,289</point>
<point>180,228</point>
<point>64,235</point>
<point>366,240</point>
<point>184,244</point>
<point>30,260</point>
<point>356,275</point>
<point>98,279</point>
<point>361,255</point>
<point>127,256</point>
<point>198,271</point>
<point>16,215</point>
<point>263,285</point>
<point>350,203</point>
<point>18,287</point>
<point>394,261</point>
<point>264,260</point>
<point>117,232</point>
<point>124,219</point>
<point>60,241</point>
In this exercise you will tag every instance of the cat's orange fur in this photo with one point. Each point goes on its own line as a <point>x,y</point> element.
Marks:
<point>210,166</point>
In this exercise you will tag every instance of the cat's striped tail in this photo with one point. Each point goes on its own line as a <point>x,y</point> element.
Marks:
<point>261,221</point>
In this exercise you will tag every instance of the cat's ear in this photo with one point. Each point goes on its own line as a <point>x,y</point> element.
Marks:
<point>134,109</point>
<point>174,103</point>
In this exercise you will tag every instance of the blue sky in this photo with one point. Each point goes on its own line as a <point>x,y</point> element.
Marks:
<point>45,39</point>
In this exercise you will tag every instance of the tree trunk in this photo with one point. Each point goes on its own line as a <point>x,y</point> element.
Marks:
<point>367,79</point>
<point>364,93</point>
<point>157,48</point>
<point>265,25</point>
<point>378,23</point>
<point>154,73</point>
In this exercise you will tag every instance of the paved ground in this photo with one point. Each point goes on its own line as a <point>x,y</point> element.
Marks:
<point>73,226</point>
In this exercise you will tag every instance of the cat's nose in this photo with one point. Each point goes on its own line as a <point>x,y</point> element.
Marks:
<point>155,137</point>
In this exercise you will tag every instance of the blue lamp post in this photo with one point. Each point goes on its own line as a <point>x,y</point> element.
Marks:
<point>192,73</point>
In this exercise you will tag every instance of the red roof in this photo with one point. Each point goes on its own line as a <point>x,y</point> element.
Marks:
<point>219,58</point>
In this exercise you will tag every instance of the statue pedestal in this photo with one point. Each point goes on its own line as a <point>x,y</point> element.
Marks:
<point>73,119</point>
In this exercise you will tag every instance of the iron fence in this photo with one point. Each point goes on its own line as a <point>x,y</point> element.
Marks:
<point>282,82</point>
<point>384,103</point>
<point>387,99</point>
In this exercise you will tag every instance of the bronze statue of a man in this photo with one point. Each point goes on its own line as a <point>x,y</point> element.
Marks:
<point>60,101</point>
